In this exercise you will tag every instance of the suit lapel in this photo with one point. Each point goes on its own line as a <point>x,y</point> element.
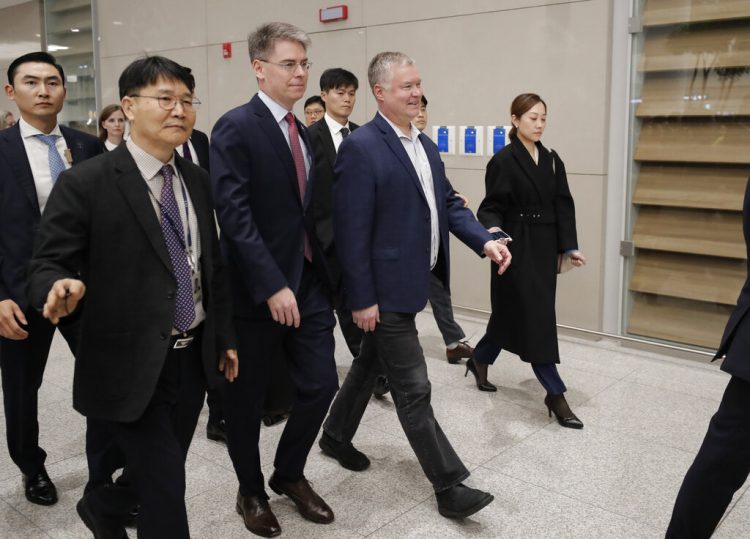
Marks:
<point>327,141</point>
<point>526,162</point>
<point>134,189</point>
<point>276,138</point>
<point>77,151</point>
<point>15,154</point>
<point>310,175</point>
<point>394,143</point>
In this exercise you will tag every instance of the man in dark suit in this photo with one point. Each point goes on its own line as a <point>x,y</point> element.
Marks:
<point>132,232</point>
<point>32,155</point>
<point>723,462</point>
<point>263,173</point>
<point>392,212</point>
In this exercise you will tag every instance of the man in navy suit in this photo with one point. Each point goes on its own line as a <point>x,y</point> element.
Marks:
<point>393,208</point>
<point>263,173</point>
<point>723,461</point>
<point>32,154</point>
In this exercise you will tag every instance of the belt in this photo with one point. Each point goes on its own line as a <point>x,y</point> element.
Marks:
<point>184,339</point>
<point>533,216</point>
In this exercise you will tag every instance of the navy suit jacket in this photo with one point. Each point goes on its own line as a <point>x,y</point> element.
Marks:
<point>381,221</point>
<point>262,218</point>
<point>19,205</point>
<point>735,343</point>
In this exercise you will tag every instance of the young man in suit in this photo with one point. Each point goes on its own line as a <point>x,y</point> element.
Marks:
<point>132,234</point>
<point>263,172</point>
<point>393,208</point>
<point>722,464</point>
<point>32,155</point>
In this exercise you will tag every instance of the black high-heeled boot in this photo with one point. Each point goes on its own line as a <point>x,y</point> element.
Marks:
<point>479,370</point>
<point>556,404</point>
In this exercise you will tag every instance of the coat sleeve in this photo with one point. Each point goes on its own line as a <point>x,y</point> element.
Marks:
<point>231,171</point>
<point>496,187</point>
<point>354,193</point>
<point>564,209</point>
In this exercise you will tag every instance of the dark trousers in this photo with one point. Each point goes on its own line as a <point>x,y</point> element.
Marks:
<point>442,310</point>
<point>396,342</point>
<point>155,448</point>
<point>720,467</point>
<point>487,350</point>
<point>22,364</point>
<point>215,405</point>
<point>309,352</point>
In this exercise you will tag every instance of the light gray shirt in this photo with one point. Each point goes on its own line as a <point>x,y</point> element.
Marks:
<point>150,169</point>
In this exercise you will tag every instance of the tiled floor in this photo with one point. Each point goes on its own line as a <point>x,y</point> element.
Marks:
<point>645,417</point>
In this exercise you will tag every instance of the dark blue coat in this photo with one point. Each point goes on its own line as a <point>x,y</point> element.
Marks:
<point>19,205</point>
<point>381,221</point>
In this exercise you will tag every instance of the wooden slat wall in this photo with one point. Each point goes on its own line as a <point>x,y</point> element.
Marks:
<point>692,153</point>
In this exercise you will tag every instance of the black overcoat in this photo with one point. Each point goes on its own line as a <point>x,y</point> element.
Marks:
<point>532,203</point>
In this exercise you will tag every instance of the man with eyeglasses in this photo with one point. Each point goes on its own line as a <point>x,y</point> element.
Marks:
<point>263,174</point>
<point>132,235</point>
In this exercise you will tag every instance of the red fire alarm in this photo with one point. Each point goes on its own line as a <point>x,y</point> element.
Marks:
<point>334,13</point>
<point>226,50</point>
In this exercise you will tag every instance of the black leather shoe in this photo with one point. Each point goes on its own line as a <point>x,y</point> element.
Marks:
<point>97,522</point>
<point>257,514</point>
<point>463,350</point>
<point>556,404</point>
<point>309,504</point>
<point>462,501</point>
<point>216,431</point>
<point>382,386</point>
<point>40,489</point>
<point>347,455</point>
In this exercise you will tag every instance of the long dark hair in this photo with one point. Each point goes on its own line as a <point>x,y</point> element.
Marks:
<point>520,106</point>
<point>106,112</point>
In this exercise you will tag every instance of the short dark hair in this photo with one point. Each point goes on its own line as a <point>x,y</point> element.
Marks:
<point>313,100</point>
<point>148,70</point>
<point>41,57</point>
<point>337,77</point>
<point>424,100</point>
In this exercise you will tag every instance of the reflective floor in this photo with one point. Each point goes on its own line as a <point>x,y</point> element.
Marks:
<point>645,416</point>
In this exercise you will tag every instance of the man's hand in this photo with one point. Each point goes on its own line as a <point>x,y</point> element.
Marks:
<point>367,319</point>
<point>10,315</point>
<point>229,364</point>
<point>63,299</point>
<point>283,306</point>
<point>466,200</point>
<point>499,254</point>
<point>577,258</point>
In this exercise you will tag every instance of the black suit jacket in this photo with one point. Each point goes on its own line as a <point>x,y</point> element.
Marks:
<point>735,343</point>
<point>325,158</point>
<point>100,221</point>
<point>262,218</point>
<point>19,205</point>
<point>200,143</point>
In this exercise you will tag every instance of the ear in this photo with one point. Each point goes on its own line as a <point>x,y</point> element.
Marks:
<point>514,120</point>
<point>258,67</point>
<point>128,104</point>
<point>378,91</point>
<point>10,92</point>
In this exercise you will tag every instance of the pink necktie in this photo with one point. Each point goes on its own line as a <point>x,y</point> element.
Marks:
<point>299,165</point>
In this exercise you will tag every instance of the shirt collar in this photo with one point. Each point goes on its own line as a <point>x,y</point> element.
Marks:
<point>277,111</point>
<point>147,164</point>
<point>333,125</point>
<point>414,131</point>
<point>28,130</point>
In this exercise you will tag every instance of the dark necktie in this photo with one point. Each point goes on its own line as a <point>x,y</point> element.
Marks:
<point>56,164</point>
<point>171,226</point>
<point>299,165</point>
<point>344,132</point>
<point>186,153</point>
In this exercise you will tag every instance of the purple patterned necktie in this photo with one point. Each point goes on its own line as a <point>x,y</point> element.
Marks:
<point>186,153</point>
<point>171,226</point>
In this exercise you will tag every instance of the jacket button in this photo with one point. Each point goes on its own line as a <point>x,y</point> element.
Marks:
<point>162,336</point>
<point>170,295</point>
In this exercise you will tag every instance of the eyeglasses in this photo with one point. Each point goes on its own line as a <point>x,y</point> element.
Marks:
<point>291,67</point>
<point>167,102</point>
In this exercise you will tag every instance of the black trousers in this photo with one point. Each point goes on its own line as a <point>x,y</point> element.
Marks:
<point>22,364</point>
<point>396,342</point>
<point>155,448</point>
<point>309,351</point>
<point>720,467</point>
<point>442,310</point>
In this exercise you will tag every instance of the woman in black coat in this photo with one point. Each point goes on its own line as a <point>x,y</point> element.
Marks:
<point>527,197</point>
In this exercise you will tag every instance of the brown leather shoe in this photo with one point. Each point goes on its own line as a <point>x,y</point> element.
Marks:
<point>463,350</point>
<point>310,505</point>
<point>258,517</point>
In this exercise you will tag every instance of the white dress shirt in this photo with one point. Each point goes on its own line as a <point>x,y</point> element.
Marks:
<point>418,157</point>
<point>37,153</point>
<point>279,113</point>
<point>335,128</point>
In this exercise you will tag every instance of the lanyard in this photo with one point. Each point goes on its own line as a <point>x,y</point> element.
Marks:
<point>189,246</point>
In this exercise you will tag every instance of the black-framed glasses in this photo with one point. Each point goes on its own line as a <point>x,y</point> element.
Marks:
<point>291,67</point>
<point>169,102</point>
